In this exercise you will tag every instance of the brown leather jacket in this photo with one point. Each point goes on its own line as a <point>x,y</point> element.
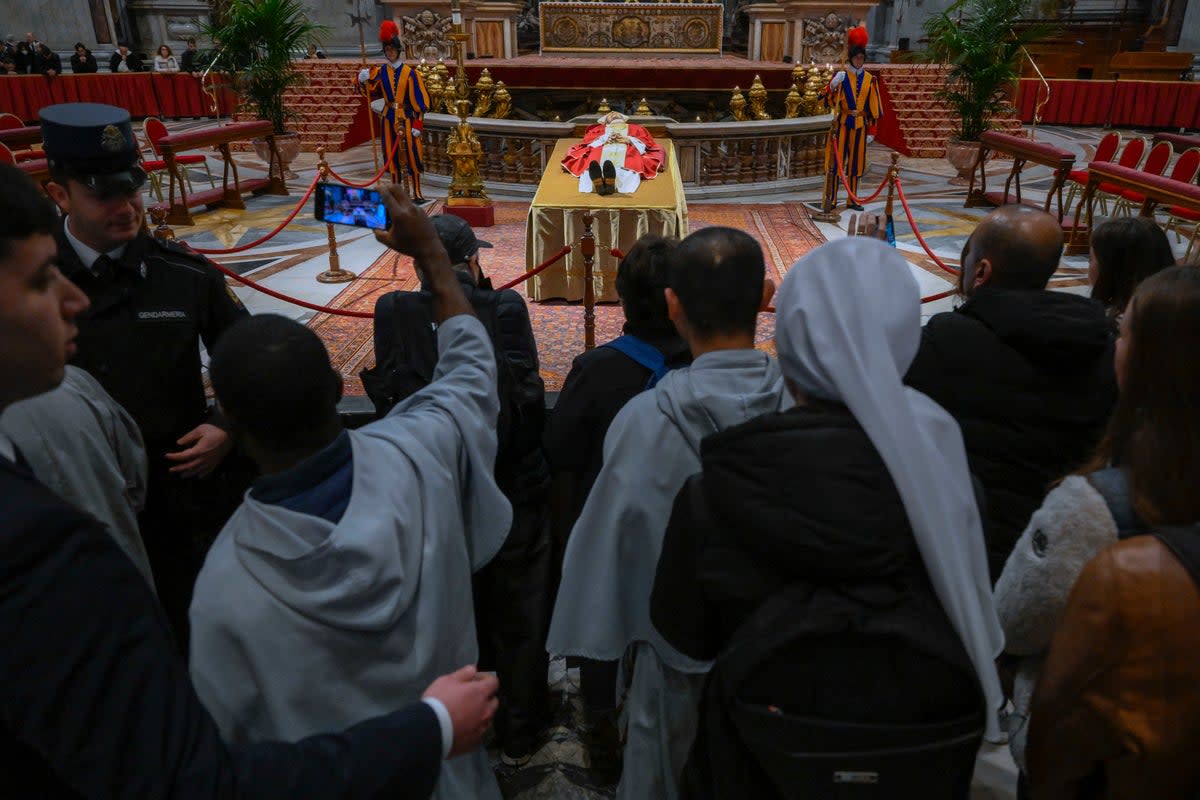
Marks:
<point>1119,693</point>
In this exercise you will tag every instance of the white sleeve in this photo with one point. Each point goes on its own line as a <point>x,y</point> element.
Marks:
<point>444,722</point>
<point>638,144</point>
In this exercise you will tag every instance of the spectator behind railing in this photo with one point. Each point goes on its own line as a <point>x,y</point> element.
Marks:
<point>82,61</point>
<point>189,59</point>
<point>124,60</point>
<point>164,60</point>
<point>1124,252</point>
<point>48,62</point>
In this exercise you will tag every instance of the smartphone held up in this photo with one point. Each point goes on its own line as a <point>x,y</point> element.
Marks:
<point>346,205</point>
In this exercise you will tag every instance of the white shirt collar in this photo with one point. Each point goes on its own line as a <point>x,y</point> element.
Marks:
<point>86,254</point>
<point>397,64</point>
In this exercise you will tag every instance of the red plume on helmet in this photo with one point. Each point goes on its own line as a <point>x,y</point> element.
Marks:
<point>857,37</point>
<point>389,34</point>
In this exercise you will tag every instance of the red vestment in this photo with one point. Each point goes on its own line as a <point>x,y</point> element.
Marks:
<point>645,164</point>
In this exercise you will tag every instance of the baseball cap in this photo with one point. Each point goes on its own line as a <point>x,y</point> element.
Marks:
<point>457,237</point>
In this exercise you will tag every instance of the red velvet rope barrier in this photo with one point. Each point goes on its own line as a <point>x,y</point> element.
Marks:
<point>240,248</point>
<point>258,287</point>
<point>837,153</point>
<point>539,268</point>
<point>912,224</point>
<point>378,175</point>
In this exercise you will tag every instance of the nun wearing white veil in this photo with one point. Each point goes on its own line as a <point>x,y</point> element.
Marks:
<point>848,324</point>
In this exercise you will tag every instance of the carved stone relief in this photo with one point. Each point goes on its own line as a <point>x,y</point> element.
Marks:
<point>425,35</point>
<point>824,39</point>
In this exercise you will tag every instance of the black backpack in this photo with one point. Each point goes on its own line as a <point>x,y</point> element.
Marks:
<point>746,749</point>
<point>406,355</point>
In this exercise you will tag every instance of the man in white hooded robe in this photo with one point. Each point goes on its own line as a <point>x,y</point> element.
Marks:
<point>717,287</point>
<point>342,585</point>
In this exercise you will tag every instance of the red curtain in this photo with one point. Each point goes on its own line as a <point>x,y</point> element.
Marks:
<point>144,94</point>
<point>1140,104</point>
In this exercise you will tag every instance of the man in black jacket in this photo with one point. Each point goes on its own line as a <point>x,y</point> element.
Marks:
<point>512,593</point>
<point>124,60</point>
<point>82,60</point>
<point>1027,372</point>
<point>93,700</point>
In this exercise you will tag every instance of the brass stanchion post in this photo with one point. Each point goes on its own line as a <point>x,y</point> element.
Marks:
<point>335,273</point>
<point>829,212</point>
<point>893,174</point>
<point>587,246</point>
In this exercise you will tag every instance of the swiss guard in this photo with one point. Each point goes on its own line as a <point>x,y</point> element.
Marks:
<point>398,95</point>
<point>853,95</point>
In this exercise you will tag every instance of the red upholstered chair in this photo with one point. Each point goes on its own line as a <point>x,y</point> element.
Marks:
<point>1131,157</point>
<point>8,121</point>
<point>1156,163</point>
<point>154,129</point>
<point>6,155</point>
<point>1104,152</point>
<point>1177,216</point>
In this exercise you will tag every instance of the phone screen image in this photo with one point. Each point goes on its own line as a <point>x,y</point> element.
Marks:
<point>346,205</point>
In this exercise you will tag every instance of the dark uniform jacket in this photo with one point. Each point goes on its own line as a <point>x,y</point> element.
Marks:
<point>94,703</point>
<point>140,336</point>
<point>1028,375</point>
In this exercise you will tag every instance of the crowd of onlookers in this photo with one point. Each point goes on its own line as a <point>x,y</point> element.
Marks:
<point>32,57</point>
<point>845,564</point>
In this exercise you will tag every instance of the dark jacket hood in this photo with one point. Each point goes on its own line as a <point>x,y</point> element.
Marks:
<point>1050,328</point>
<point>808,493</point>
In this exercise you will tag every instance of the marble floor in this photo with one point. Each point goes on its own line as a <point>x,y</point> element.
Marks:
<point>290,262</point>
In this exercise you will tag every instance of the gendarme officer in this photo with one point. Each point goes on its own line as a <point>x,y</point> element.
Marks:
<point>152,302</point>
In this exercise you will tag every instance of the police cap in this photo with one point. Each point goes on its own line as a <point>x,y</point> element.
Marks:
<point>93,144</point>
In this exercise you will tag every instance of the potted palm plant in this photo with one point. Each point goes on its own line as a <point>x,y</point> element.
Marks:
<point>256,41</point>
<point>979,42</point>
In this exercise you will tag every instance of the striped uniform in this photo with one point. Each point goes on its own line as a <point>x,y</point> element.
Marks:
<point>858,107</point>
<point>406,85</point>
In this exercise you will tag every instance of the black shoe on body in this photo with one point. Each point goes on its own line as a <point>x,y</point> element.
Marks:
<point>610,178</point>
<point>597,176</point>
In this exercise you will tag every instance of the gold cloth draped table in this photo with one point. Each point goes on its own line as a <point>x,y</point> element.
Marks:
<point>556,219</point>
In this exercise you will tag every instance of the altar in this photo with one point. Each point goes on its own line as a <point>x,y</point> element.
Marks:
<point>598,27</point>
<point>556,219</point>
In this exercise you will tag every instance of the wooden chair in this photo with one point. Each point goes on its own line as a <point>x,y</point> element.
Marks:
<point>1156,162</point>
<point>154,130</point>
<point>1104,152</point>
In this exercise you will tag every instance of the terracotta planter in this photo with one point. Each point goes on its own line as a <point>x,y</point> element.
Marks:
<point>961,156</point>
<point>288,145</point>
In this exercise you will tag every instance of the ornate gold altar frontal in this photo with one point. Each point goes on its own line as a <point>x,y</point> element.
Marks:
<point>589,27</point>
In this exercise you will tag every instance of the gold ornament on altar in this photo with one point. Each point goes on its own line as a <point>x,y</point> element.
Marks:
<point>643,110</point>
<point>758,99</point>
<point>485,88</point>
<point>465,153</point>
<point>812,93</point>
<point>435,88</point>
<point>792,103</point>
<point>737,105</point>
<point>800,75</point>
<point>604,106</point>
<point>503,101</point>
<point>443,73</point>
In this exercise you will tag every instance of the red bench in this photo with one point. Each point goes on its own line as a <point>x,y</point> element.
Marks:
<point>178,201</point>
<point>1022,150</point>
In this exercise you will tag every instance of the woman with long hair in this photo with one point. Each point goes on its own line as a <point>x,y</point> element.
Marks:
<point>1144,476</point>
<point>1124,252</point>
<point>164,60</point>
